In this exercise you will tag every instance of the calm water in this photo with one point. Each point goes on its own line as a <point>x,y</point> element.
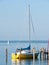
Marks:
<point>12,48</point>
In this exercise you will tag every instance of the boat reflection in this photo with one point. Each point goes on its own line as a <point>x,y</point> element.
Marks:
<point>22,62</point>
<point>48,62</point>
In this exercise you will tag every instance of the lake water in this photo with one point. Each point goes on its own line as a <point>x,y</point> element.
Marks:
<point>12,48</point>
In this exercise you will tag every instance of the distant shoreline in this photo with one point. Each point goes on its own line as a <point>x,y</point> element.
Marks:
<point>23,41</point>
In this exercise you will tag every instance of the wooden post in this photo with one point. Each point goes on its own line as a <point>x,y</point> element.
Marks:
<point>42,54</point>
<point>6,55</point>
<point>45,54</point>
<point>33,53</point>
<point>48,54</point>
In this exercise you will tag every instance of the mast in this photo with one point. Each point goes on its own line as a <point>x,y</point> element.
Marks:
<point>29,25</point>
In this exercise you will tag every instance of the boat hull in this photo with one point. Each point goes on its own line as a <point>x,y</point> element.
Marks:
<point>24,56</point>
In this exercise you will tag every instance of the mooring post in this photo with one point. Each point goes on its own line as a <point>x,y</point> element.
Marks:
<point>45,54</point>
<point>48,55</point>
<point>6,55</point>
<point>42,54</point>
<point>33,53</point>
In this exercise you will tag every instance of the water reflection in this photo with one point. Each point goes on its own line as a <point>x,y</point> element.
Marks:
<point>22,62</point>
<point>31,62</point>
<point>43,62</point>
<point>48,62</point>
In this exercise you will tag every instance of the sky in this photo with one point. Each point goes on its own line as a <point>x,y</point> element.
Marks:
<point>14,19</point>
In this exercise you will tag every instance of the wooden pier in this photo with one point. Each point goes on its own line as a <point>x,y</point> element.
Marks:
<point>44,54</point>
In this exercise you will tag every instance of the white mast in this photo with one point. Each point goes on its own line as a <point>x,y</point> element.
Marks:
<point>29,25</point>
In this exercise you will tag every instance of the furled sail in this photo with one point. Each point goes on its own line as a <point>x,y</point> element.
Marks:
<point>28,48</point>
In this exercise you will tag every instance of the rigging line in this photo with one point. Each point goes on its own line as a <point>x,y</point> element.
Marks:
<point>32,25</point>
<point>31,22</point>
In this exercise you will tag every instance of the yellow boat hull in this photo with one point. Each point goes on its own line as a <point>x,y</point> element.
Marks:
<point>23,56</point>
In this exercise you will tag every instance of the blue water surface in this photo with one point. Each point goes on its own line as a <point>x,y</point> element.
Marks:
<point>12,48</point>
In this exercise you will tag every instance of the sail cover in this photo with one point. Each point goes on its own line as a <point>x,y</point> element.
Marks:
<point>28,48</point>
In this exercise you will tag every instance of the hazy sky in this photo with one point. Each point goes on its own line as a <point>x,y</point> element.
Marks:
<point>14,22</point>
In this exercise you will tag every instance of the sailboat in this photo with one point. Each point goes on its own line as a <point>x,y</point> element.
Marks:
<point>25,53</point>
